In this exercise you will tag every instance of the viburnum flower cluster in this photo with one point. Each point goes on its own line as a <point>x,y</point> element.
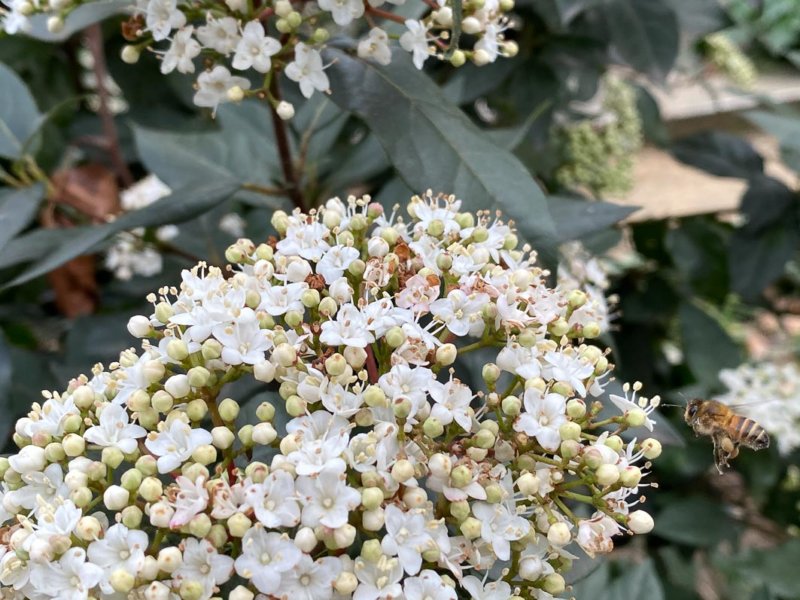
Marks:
<point>769,393</point>
<point>381,467</point>
<point>226,42</point>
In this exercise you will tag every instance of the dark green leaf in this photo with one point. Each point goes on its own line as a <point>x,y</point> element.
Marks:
<point>720,153</point>
<point>359,163</point>
<point>707,347</point>
<point>19,116</point>
<point>7,423</point>
<point>83,16</point>
<point>470,82</point>
<point>699,17</point>
<point>182,205</point>
<point>699,250</point>
<point>576,218</point>
<point>433,145</point>
<point>767,202</point>
<point>759,259</point>
<point>36,244</point>
<point>594,585</point>
<point>785,127</point>
<point>17,209</point>
<point>644,33</point>
<point>775,568</point>
<point>639,582</point>
<point>243,150</point>
<point>694,521</point>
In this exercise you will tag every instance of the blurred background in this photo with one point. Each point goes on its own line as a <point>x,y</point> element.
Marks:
<point>664,133</point>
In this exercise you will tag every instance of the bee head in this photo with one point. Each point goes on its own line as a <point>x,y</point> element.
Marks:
<point>691,410</point>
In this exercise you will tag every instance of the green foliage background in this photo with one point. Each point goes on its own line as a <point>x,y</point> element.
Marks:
<point>390,130</point>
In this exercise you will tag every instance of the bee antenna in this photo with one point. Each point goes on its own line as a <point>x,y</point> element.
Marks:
<point>675,405</point>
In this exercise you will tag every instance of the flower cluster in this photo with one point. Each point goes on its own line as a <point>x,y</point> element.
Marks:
<point>597,151</point>
<point>726,56</point>
<point>235,38</point>
<point>379,465</point>
<point>768,393</point>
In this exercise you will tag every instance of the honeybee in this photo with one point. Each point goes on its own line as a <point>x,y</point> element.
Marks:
<point>727,429</point>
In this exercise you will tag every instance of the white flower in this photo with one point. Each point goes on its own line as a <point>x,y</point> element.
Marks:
<point>28,460</point>
<point>120,548</point>
<point>379,580</point>
<point>376,46</point>
<point>265,558</point>
<point>335,261</point>
<point>326,499</point>
<point>213,87</point>
<point>115,431</point>
<point>45,485</point>
<point>273,501</point>
<point>307,70</point>
<point>279,299</point>
<point>202,563</point>
<point>628,403</point>
<point>255,49</point>
<point>569,369</point>
<point>428,586</point>
<point>243,341</point>
<point>488,42</point>
<point>162,16</point>
<point>349,329</point>
<point>452,403</point>
<point>461,312</point>
<point>220,35</point>
<point>310,579</point>
<point>182,50</point>
<point>594,535</point>
<point>148,189</point>
<point>343,11</point>
<point>190,500</point>
<point>542,418</point>
<point>175,445</point>
<point>415,40</point>
<point>498,590</point>
<point>69,578</point>
<point>408,535</point>
<point>500,525</point>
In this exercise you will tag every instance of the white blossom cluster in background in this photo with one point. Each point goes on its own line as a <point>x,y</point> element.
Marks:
<point>131,253</point>
<point>223,42</point>
<point>578,269</point>
<point>768,393</point>
<point>379,467</point>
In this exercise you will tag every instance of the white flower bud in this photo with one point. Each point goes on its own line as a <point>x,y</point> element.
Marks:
<point>415,497</point>
<point>40,551</point>
<point>528,484</point>
<point>607,474</point>
<point>83,397</point>
<point>177,386</point>
<point>378,247</point>
<point>88,529</point>
<point>241,593</point>
<point>122,581</point>
<point>305,539</point>
<point>559,534</point>
<point>285,110</point>
<point>285,354</point>
<point>264,371</point>
<point>235,94</point>
<point>373,520</point>
<point>169,559</point>
<point>149,570</point>
<point>116,497</point>
<point>157,591</point>
<point>402,470</point>
<point>264,434</point>
<point>471,25</point>
<point>76,480</point>
<point>222,437</point>
<point>440,465</point>
<point>138,325</point>
<point>344,536</point>
<point>640,522</point>
<point>651,448</point>
<point>73,445</point>
<point>481,57</point>
<point>160,515</point>
<point>346,583</point>
<point>446,355</point>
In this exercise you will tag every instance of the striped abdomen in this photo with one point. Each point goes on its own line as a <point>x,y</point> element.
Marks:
<point>747,432</point>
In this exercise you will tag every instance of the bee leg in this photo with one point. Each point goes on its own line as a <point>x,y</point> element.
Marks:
<point>720,454</point>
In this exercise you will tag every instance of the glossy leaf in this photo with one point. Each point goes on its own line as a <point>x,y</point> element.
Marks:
<point>576,217</point>
<point>432,144</point>
<point>720,153</point>
<point>181,205</point>
<point>17,209</point>
<point>644,34</point>
<point>6,424</point>
<point>694,521</point>
<point>707,347</point>
<point>19,116</point>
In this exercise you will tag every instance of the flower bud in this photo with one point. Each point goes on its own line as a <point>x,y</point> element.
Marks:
<point>264,371</point>
<point>131,479</point>
<point>235,94</point>
<point>371,551</point>
<point>355,357</point>
<point>481,57</point>
<point>204,454</point>
<point>490,373</point>
<point>305,539</point>
<point>83,397</point>
<point>198,377</point>
<point>161,514</point>
<point>116,497</point>
<point>471,528</point>
<point>511,405</point>
<point>461,476</point>
<point>196,410</point>
<point>432,427</point>
<point>446,355</point>
<point>132,517</point>
<point>395,337</point>
<point>569,449</point>
<point>592,458</point>
<point>88,529</point>
<point>402,407</point>
<point>576,409</point>
<point>528,484</point>
<point>651,448</point>
<point>375,397</point>
<point>162,401</point>
<point>296,406</point>
<point>169,559</point>
<point>554,584</point>
<point>148,465</point>
<point>264,434</point>
<point>177,386</point>
<point>615,443</point>
<point>484,439</point>
<point>640,522</point>
<point>344,536</point>
<point>138,325</point>
<point>630,476</point>
<point>191,590</point>
<point>559,534</point>
<point>373,520</point>
<point>285,354</point>
<point>402,470</point>
<point>335,365</point>
<point>559,327</point>
<point>200,525</point>
<point>151,489</point>
<point>460,510</point>
<point>346,583</point>
<point>635,417</point>
<point>592,330</point>
<point>177,349</point>
<point>241,593</point>
<point>130,55</point>
<point>371,497</point>
<point>239,524</point>
<point>607,475</point>
<point>28,460</point>
<point>73,444</point>
<point>570,431</point>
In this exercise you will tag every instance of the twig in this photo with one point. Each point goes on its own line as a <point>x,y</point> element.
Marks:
<point>94,40</point>
<point>284,152</point>
<point>384,14</point>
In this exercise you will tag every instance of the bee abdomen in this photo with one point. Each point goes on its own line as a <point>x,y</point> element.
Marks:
<point>750,433</point>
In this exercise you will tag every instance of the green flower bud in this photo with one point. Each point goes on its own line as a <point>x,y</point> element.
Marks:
<point>554,584</point>
<point>161,401</point>
<point>570,449</point>
<point>371,551</point>
<point>265,412</point>
<point>494,493</point>
<point>591,330</point>
<point>205,454</point>
<point>635,417</point>
<point>200,525</point>
<point>335,364</point>
<point>651,448</point>
<point>296,406</point>
<point>177,350</point>
<point>461,476</point>
<point>484,439</point>
<point>228,410</point>
<point>576,408</point>
<point>112,457</point>
<point>592,458</point>
<point>293,318</point>
<point>615,443</point>
<point>402,408</point>
<point>457,59</point>
<point>246,436</point>
<point>238,525</point>
<point>402,470</point>
<point>560,387</point>
<point>375,397</point>
<point>285,354</point>
<point>196,410</point>
<point>310,298</point>
<point>433,427</point>
<point>198,377</point>
<point>630,476</point>
<point>72,423</point>
<point>257,471</point>
<point>357,267</point>
<point>607,475</point>
<point>191,590</point>
<point>151,489</point>
<point>132,517</point>
<point>131,479</point>
<point>446,355</point>
<point>148,465</point>
<point>81,497</point>
<point>471,528</point>
<point>371,497</point>
<point>53,452</point>
<point>559,327</point>
<point>490,373</point>
<point>512,406</point>
<point>460,510</point>
<point>328,306</point>
<point>395,337</point>
<point>218,536</point>
<point>570,431</point>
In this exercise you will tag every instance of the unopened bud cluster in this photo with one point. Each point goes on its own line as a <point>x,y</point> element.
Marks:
<point>597,151</point>
<point>374,463</point>
<point>228,40</point>
<point>726,56</point>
